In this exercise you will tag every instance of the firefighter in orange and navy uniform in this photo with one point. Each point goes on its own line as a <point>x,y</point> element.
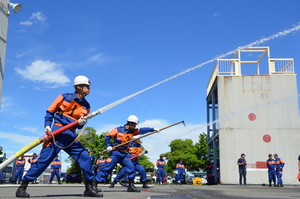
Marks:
<point>209,167</point>
<point>33,162</point>
<point>55,170</point>
<point>180,168</point>
<point>271,170</point>
<point>100,163</point>
<point>134,150</point>
<point>120,135</point>
<point>279,168</point>
<point>64,110</point>
<point>160,164</point>
<point>20,164</point>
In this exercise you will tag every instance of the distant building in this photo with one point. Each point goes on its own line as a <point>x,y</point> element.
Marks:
<point>252,108</point>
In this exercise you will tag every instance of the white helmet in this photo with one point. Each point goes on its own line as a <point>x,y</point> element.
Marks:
<point>133,118</point>
<point>81,80</point>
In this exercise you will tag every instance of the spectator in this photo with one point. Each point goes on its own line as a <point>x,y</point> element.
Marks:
<point>271,170</point>
<point>160,163</point>
<point>20,164</point>
<point>55,170</point>
<point>279,169</point>
<point>180,169</point>
<point>33,161</point>
<point>242,168</point>
<point>2,158</point>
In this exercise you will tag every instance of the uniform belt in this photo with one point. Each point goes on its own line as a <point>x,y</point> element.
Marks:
<point>58,124</point>
<point>160,167</point>
<point>121,150</point>
<point>271,169</point>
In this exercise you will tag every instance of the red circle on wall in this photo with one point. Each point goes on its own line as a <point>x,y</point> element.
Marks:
<point>252,116</point>
<point>267,138</point>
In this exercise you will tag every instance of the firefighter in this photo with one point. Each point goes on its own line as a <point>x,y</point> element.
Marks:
<point>93,158</point>
<point>160,164</point>
<point>135,149</point>
<point>33,161</point>
<point>180,169</point>
<point>271,170</point>
<point>279,169</point>
<point>55,170</point>
<point>2,158</point>
<point>120,135</point>
<point>65,109</point>
<point>100,163</point>
<point>20,164</point>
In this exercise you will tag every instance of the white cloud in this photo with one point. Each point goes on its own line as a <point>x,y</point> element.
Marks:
<point>38,17</point>
<point>98,58</point>
<point>26,23</point>
<point>13,138</point>
<point>216,14</point>
<point>45,72</point>
<point>29,128</point>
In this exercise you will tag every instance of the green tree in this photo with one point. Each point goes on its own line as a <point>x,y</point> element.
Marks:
<point>201,147</point>
<point>193,156</point>
<point>185,150</point>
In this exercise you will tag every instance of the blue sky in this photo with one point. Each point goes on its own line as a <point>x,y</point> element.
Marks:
<point>125,47</point>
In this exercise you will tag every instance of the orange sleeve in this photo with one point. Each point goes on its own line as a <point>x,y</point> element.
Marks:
<point>112,133</point>
<point>55,104</point>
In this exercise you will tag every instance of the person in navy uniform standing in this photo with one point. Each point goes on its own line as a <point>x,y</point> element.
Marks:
<point>20,164</point>
<point>279,169</point>
<point>33,161</point>
<point>271,170</point>
<point>180,168</point>
<point>2,158</point>
<point>242,168</point>
<point>160,164</point>
<point>55,170</point>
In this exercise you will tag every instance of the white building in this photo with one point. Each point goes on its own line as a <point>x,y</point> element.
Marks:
<point>252,108</point>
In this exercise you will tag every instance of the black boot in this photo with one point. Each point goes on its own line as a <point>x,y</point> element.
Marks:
<point>21,191</point>
<point>131,187</point>
<point>112,185</point>
<point>274,184</point>
<point>270,184</point>
<point>95,184</point>
<point>90,190</point>
<point>145,185</point>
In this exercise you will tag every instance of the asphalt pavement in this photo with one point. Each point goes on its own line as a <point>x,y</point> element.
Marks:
<point>74,191</point>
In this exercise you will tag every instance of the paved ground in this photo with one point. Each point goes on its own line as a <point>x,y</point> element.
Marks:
<point>75,191</point>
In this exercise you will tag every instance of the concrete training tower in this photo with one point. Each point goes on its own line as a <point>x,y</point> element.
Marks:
<point>252,108</point>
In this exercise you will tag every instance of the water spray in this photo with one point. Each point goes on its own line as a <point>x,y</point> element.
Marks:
<point>102,110</point>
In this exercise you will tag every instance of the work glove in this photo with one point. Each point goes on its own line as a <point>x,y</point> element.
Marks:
<point>109,148</point>
<point>48,132</point>
<point>81,121</point>
<point>136,137</point>
<point>48,129</point>
<point>156,129</point>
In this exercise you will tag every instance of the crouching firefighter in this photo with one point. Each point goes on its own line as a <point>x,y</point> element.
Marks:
<point>122,134</point>
<point>134,151</point>
<point>65,109</point>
